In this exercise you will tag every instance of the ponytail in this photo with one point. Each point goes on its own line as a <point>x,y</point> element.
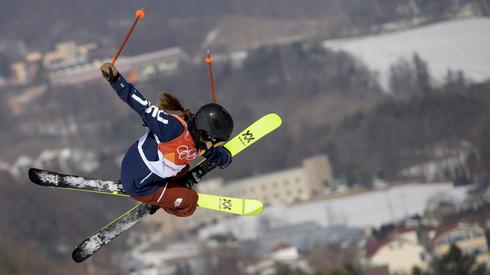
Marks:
<point>169,102</point>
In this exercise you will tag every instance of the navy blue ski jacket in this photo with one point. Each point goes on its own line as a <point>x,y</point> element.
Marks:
<point>136,177</point>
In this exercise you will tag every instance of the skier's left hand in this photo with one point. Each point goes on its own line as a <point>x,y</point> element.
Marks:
<point>219,156</point>
<point>109,72</point>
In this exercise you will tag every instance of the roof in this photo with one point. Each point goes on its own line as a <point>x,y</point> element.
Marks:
<point>281,246</point>
<point>373,246</point>
<point>445,228</point>
<point>152,56</point>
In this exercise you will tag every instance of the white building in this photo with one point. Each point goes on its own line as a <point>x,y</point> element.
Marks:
<point>470,238</point>
<point>400,251</point>
<point>282,187</point>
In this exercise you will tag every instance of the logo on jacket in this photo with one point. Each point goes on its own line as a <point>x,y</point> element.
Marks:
<point>178,202</point>
<point>186,153</point>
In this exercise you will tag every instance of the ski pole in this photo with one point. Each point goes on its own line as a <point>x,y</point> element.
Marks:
<point>210,60</point>
<point>139,14</point>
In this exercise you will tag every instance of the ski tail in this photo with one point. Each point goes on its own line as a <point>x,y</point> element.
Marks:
<point>237,206</point>
<point>71,182</point>
<point>109,232</point>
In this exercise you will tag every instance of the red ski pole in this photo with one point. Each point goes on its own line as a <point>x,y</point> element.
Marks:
<point>139,14</point>
<point>210,60</point>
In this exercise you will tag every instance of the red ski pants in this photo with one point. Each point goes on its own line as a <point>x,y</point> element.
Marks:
<point>175,199</point>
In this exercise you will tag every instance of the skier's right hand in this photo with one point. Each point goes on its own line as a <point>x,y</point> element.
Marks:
<point>110,72</point>
<point>218,156</point>
<point>193,177</point>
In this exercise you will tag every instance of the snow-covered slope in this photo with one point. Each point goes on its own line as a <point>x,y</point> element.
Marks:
<point>459,45</point>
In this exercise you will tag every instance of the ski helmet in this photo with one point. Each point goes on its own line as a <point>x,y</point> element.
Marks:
<point>213,122</point>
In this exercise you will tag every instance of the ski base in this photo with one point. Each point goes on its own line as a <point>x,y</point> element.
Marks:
<point>106,234</point>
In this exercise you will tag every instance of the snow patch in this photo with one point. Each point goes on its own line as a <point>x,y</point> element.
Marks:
<point>100,184</point>
<point>49,177</point>
<point>456,45</point>
<point>363,210</point>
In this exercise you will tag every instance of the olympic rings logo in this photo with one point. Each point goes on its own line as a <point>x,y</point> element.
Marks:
<point>185,153</point>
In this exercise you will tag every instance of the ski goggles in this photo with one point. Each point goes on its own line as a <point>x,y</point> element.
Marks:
<point>204,136</point>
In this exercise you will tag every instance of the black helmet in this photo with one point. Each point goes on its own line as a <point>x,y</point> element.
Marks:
<point>213,122</point>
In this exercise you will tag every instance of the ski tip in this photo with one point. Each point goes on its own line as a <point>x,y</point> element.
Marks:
<point>78,256</point>
<point>274,118</point>
<point>33,177</point>
<point>253,207</point>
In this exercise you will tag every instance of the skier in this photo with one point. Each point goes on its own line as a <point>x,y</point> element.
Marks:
<point>153,167</point>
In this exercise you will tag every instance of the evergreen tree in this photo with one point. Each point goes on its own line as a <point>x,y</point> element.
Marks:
<point>454,262</point>
<point>422,74</point>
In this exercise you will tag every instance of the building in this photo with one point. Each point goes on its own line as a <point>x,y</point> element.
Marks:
<point>21,100</point>
<point>400,251</point>
<point>67,54</point>
<point>152,64</point>
<point>25,71</point>
<point>305,236</point>
<point>282,187</point>
<point>136,68</point>
<point>282,254</point>
<point>470,238</point>
<point>20,73</point>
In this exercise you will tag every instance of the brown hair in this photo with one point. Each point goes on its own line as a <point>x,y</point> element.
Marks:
<point>169,102</point>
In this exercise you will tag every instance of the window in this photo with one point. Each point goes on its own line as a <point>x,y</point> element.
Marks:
<point>476,233</point>
<point>441,241</point>
<point>477,250</point>
<point>457,236</point>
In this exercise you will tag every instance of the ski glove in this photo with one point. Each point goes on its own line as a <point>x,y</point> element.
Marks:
<point>218,156</point>
<point>193,177</point>
<point>110,72</point>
